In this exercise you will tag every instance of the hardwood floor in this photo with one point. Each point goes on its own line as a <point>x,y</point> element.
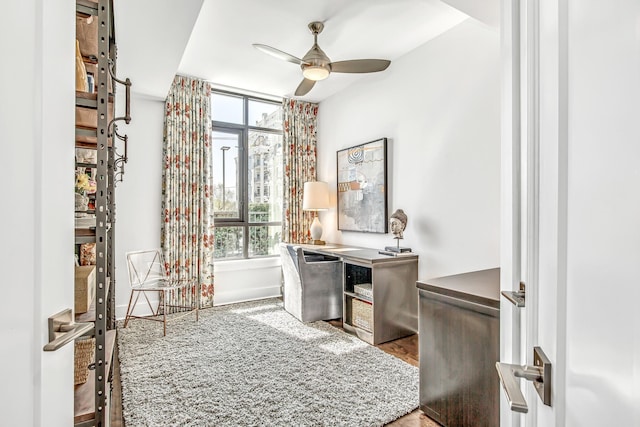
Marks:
<point>403,348</point>
<point>116,395</point>
<point>407,350</point>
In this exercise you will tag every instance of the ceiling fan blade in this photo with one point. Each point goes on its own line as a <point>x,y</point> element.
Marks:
<point>304,87</point>
<point>278,53</point>
<point>360,66</point>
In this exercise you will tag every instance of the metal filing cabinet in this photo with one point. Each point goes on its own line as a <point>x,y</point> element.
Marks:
<point>459,342</point>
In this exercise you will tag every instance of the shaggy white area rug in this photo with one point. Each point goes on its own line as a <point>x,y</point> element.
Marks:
<point>253,364</point>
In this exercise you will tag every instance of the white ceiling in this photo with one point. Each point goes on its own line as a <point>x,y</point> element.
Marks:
<point>212,39</point>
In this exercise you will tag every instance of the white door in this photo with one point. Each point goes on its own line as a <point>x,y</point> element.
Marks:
<point>36,123</point>
<point>571,206</point>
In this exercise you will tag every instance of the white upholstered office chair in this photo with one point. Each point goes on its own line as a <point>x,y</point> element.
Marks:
<point>147,274</point>
<point>312,284</point>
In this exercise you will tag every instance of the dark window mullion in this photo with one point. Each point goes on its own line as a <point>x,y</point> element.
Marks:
<point>245,180</point>
<point>245,249</point>
<point>265,130</point>
<point>260,224</point>
<point>227,222</point>
<point>225,125</point>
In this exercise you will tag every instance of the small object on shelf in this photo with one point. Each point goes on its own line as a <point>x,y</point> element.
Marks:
<point>86,222</point>
<point>87,117</point>
<point>395,254</point>
<point>81,71</point>
<point>90,83</point>
<point>364,289</point>
<point>362,314</point>
<point>88,254</point>
<point>84,186</point>
<point>398,249</point>
<point>81,204</point>
<point>84,354</point>
<point>397,223</point>
<point>86,155</point>
<point>85,284</point>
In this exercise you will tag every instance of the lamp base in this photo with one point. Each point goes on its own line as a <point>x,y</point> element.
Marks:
<point>318,242</point>
<point>316,231</point>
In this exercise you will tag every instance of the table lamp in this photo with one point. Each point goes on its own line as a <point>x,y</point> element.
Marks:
<point>316,198</point>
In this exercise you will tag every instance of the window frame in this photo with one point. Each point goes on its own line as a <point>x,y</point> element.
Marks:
<point>242,179</point>
<point>243,130</point>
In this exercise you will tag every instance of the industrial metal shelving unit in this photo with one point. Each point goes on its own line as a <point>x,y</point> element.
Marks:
<point>92,399</point>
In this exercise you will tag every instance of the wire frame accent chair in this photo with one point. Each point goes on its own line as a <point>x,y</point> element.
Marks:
<point>147,273</point>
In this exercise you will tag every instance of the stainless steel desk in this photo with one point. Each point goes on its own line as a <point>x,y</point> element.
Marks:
<point>392,307</point>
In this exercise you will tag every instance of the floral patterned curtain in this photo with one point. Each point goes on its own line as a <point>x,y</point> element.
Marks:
<point>187,202</point>
<point>300,120</point>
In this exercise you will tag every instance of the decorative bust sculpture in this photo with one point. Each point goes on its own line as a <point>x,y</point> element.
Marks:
<point>398,222</point>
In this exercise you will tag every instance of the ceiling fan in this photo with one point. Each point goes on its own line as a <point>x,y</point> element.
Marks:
<point>316,65</point>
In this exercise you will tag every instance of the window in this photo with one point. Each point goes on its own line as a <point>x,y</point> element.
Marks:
<point>247,174</point>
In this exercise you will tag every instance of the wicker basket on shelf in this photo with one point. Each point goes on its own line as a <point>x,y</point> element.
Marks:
<point>364,289</point>
<point>362,314</point>
<point>84,354</point>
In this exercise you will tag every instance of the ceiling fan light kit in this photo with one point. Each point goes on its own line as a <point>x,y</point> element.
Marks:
<point>315,73</point>
<point>316,65</point>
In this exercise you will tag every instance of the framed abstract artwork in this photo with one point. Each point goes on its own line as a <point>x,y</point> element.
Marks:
<point>362,187</point>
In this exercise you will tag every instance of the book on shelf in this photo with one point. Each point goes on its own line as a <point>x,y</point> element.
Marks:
<point>364,289</point>
<point>399,249</point>
<point>395,254</point>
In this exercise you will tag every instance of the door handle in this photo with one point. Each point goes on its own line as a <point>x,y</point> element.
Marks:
<point>539,374</point>
<point>516,298</point>
<point>63,330</point>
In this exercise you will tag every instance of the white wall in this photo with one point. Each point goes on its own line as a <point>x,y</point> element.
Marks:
<point>439,107</point>
<point>138,197</point>
<point>246,280</point>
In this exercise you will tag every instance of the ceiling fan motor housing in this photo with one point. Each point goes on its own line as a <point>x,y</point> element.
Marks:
<point>316,65</point>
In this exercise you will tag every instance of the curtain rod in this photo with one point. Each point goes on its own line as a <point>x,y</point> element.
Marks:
<point>246,92</point>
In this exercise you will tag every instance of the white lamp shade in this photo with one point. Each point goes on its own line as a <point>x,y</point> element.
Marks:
<point>316,196</point>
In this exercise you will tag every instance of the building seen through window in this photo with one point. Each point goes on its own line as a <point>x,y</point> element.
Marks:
<point>247,174</point>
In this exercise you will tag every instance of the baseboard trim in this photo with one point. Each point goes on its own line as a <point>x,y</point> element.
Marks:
<point>219,298</point>
<point>243,295</point>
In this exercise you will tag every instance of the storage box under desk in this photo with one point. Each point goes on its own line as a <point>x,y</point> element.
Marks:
<point>85,285</point>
